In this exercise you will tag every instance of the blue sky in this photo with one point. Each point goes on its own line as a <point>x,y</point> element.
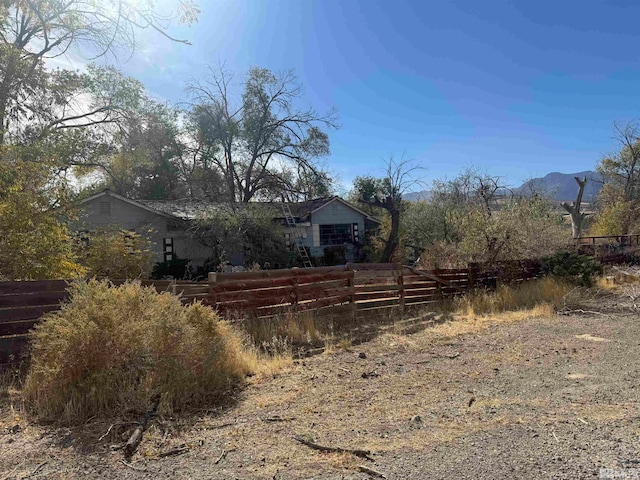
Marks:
<point>520,88</point>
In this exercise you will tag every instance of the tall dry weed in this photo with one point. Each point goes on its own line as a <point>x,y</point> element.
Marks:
<point>527,295</point>
<point>292,327</point>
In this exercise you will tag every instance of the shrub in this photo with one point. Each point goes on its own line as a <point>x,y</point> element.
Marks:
<point>578,269</point>
<point>176,268</point>
<point>111,349</point>
<point>115,253</point>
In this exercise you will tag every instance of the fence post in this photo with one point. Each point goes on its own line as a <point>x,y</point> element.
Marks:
<point>352,294</point>
<point>472,275</point>
<point>400,278</point>
<point>439,295</point>
<point>294,300</point>
<point>213,287</point>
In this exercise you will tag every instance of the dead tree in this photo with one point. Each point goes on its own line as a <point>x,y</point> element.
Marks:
<point>574,209</point>
<point>386,193</point>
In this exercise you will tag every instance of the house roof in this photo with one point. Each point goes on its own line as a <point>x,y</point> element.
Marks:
<point>192,209</point>
<point>107,192</point>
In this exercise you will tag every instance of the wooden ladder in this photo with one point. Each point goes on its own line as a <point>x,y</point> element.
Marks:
<point>296,237</point>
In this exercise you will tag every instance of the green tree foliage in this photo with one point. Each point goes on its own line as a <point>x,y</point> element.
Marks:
<point>147,156</point>
<point>577,268</point>
<point>619,199</point>
<point>52,121</point>
<point>473,218</point>
<point>34,241</point>
<point>247,229</point>
<point>31,31</point>
<point>115,253</point>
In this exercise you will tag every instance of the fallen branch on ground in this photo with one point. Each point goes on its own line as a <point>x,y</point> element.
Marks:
<point>371,471</point>
<point>223,425</point>
<point>136,437</point>
<point>133,467</point>
<point>174,451</point>
<point>223,455</point>
<point>37,469</point>
<point>358,453</point>
<point>565,311</point>
<point>115,425</point>
<point>276,418</point>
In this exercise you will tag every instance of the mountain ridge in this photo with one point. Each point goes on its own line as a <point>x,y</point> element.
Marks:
<point>560,186</point>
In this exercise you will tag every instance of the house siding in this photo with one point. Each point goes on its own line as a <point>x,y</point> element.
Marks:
<point>110,209</point>
<point>130,217</point>
<point>331,214</point>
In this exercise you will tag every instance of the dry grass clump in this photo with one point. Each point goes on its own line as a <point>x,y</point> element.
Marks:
<point>292,327</point>
<point>527,295</point>
<point>478,311</point>
<point>111,349</point>
<point>619,276</point>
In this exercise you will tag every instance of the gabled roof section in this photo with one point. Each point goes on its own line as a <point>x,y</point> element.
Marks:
<point>106,192</point>
<point>347,204</point>
<point>193,209</point>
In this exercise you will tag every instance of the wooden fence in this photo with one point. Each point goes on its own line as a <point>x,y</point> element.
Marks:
<point>630,240</point>
<point>350,290</point>
<point>610,249</point>
<point>23,303</point>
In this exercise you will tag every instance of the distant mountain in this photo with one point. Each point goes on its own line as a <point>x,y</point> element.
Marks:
<point>563,187</point>
<point>560,186</point>
<point>422,195</point>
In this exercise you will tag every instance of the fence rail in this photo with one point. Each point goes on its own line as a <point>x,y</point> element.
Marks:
<point>23,303</point>
<point>361,287</point>
<point>349,290</point>
<point>610,239</point>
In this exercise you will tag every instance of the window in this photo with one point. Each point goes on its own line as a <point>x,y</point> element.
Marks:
<point>105,208</point>
<point>129,240</point>
<point>167,246</point>
<point>337,234</point>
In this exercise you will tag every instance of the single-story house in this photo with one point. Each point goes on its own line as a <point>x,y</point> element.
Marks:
<point>316,224</point>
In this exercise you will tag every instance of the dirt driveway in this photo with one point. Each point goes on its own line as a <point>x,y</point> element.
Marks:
<point>547,397</point>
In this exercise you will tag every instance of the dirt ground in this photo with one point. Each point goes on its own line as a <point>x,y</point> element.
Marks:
<point>535,397</point>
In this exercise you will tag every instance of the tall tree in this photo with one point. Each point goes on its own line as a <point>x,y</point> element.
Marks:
<point>257,141</point>
<point>146,155</point>
<point>53,120</point>
<point>577,217</point>
<point>619,199</point>
<point>386,193</point>
<point>34,30</point>
<point>623,167</point>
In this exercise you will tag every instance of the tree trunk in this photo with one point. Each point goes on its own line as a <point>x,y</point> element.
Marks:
<point>574,209</point>
<point>392,241</point>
